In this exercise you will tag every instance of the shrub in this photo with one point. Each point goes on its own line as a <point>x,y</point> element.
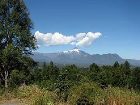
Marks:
<point>121,96</point>
<point>35,95</point>
<point>90,92</point>
<point>43,100</point>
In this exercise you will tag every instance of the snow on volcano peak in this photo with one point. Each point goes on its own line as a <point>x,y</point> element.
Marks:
<point>75,50</point>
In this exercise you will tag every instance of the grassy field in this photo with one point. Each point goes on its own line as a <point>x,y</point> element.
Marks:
<point>89,93</point>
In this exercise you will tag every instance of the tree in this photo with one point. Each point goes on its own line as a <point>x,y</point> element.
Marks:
<point>135,82</point>
<point>125,74</point>
<point>16,40</point>
<point>126,65</point>
<point>116,64</point>
<point>52,71</point>
<point>94,72</point>
<point>94,67</point>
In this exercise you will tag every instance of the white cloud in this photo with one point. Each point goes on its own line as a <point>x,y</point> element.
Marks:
<point>80,39</point>
<point>85,39</point>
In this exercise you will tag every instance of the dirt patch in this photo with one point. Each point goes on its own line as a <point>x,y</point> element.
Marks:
<point>12,102</point>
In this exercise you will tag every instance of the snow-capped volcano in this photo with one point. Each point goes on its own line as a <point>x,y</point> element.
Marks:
<point>79,57</point>
<point>75,50</point>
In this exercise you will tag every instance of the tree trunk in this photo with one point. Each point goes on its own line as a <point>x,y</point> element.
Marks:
<point>6,79</point>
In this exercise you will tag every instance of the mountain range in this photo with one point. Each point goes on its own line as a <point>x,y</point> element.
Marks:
<point>81,58</point>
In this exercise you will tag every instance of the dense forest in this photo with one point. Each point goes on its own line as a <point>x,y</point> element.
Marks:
<point>52,77</point>
<point>63,81</point>
<point>48,84</point>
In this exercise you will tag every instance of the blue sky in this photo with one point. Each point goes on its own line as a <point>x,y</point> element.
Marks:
<point>117,20</point>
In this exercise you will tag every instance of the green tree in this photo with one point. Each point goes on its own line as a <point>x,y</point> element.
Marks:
<point>126,66</point>
<point>16,78</point>
<point>52,71</point>
<point>125,74</point>
<point>16,40</point>
<point>94,67</point>
<point>135,82</point>
<point>94,71</point>
<point>116,64</point>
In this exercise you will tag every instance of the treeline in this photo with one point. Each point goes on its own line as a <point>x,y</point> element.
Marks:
<point>66,79</point>
<point>120,75</point>
<point>52,77</point>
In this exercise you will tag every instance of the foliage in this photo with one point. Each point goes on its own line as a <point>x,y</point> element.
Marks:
<point>91,91</point>
<point>121,96</point>
<point>43,100</point>
<point>16,39</point>
<point>30,95</point>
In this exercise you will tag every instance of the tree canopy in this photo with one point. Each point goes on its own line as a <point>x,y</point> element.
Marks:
<point>16,39</point>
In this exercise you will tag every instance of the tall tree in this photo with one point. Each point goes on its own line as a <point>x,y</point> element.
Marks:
<point>116,64</point>
<point>94,67</point>
<point>16,40</point>
<point>135,82</point>
<point>125,74</point>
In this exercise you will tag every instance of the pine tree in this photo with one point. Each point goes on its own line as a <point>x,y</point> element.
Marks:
<point>16,40</point>
<point>116,64</point>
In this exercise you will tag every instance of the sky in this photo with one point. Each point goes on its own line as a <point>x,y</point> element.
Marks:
<point>94,26</point>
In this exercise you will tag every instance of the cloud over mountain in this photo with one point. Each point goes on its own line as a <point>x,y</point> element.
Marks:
<point>80,39</point>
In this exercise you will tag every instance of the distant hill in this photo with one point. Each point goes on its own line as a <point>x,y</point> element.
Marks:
<point>81,58</point>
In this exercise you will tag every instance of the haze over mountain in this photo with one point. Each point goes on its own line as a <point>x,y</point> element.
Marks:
<point>81,58</point>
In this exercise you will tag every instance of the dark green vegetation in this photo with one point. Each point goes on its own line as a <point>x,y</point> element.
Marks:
<point>16,40</point>
<point>71,83</point>
<point>118,75</point>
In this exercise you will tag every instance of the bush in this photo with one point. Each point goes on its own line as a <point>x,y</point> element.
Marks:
<point>28,91</point>
<point>47,84</point>
<point>43,100</point>
<point>35,95</point>
<point>90,92</point>
<point>122,96</point>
